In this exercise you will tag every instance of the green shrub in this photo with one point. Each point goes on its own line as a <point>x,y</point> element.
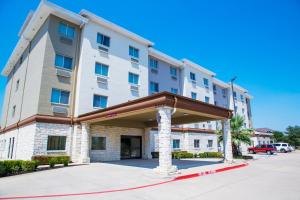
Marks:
<point>155,154</point>
<point>2,169</point>
<point>181,154</point>
<point>51,160</point>
<point>13,166</point>
<point>210,155</point>
<point>28,166</point>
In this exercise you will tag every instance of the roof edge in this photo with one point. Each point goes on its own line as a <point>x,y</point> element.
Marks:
<point>198,67</point>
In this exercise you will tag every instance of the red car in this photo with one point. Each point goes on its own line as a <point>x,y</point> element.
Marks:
<point>264,148</point>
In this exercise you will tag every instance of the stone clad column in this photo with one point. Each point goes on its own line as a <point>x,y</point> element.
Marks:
<point>85,145</point>
<point>227,146</point>
<point>164,137</point>
<point>147,142</point>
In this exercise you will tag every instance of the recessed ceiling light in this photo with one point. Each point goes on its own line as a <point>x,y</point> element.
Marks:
<point>185,114</point>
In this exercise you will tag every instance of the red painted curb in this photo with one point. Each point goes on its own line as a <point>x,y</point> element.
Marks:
<point>183,177</point>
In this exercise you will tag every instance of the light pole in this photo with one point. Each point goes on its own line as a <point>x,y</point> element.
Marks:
<point>231,81</point>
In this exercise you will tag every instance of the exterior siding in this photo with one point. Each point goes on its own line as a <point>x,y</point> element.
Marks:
<point>50,79</point>
<point>163,77</point>
<point>117,89</point>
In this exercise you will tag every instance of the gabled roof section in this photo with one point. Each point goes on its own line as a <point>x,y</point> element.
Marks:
<point>33,23</point>
<point>198,67</point>
<point>164,57</point>
<point>114,27</point>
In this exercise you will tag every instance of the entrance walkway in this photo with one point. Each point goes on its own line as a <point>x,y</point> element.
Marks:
<point>96,177</point>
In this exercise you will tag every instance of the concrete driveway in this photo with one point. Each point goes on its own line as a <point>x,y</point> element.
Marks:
<point>270,177</point>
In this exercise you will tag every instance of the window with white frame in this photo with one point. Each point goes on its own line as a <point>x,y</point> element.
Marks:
<point>210,143</point>
<point>66,30</point>
<point>215,88</point>
<point>56,143</point>
<point>103,39</point>
<point>133,78</point>
<point>206,99</point>
<point>205,82</point>
<point>133,52</point>
<point>234,95</point>
<point>193,76</point>
<point>193,95</point>
<point>99,101</point>
<point>176,144</point>
<point>63,61</point>
<point>153,63</point>
<point>224,92</point>
<point>101,69</point>
<point>197,143</point>
<point>98,143</point>
<point>60,96</point>
<point>173,72</point>
<point>154,87</point>
<point>242,98</point>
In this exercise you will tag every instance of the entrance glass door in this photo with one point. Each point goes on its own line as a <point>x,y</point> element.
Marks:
<point>131,147</point>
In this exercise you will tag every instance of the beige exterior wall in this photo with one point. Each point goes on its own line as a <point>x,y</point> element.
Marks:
<point>54,46</point>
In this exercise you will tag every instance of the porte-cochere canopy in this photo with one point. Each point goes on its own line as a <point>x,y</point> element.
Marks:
<point>142,112</point>
<point>160,110</point>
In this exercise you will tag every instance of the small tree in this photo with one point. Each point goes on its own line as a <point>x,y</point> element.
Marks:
<point>239,134</point>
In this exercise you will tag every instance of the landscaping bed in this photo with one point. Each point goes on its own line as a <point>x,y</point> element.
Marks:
<point>15,167</point>
<point>185,154</point>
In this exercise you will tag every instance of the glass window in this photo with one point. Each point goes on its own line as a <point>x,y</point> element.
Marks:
<point>176,144</point>
<point>194,95</point>
<point>17,84</point>
<point>209,143</point>
<point>101,69</point>
<point>174,90</point>
<point>153,63</point>
<point>60,96</point>
<point>133,78</point>
<point>196,143</point>
<point>56,143</point>
<point>242,98</point>
<point>13,111</point>
<point>234,95</point>
<point>224,92</point>
<point>99,101</point>
<point>103,39</point>
<point>154,87</point>
<point>205,81</point>
<point>63,61</point>
<point>284,145</point>
<point>173,71</point>
<point>66,30</point>
<point>192,76</point>
<point>98,143</point>
<point>206,99</point>
<point>235,108</point>
<point>133,52</point>
<point>215,88</point>
<point>243,110</point>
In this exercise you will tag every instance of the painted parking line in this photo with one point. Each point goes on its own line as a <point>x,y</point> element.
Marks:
<point>178,178</point>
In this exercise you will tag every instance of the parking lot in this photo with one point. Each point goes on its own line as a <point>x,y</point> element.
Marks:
<point>267,177</point>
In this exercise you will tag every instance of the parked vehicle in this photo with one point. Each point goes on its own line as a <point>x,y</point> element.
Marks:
<point>264,148</point>
<point>283,147</point>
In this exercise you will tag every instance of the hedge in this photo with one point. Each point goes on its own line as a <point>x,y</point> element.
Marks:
<point>51,160</point>
<point>210,155</point>
<point>11,167</point>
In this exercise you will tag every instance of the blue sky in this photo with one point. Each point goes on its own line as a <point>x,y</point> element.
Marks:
<point>257,41</point>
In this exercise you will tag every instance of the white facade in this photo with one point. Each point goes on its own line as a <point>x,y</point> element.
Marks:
<point>32,139</point>
<point>117,89</point>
